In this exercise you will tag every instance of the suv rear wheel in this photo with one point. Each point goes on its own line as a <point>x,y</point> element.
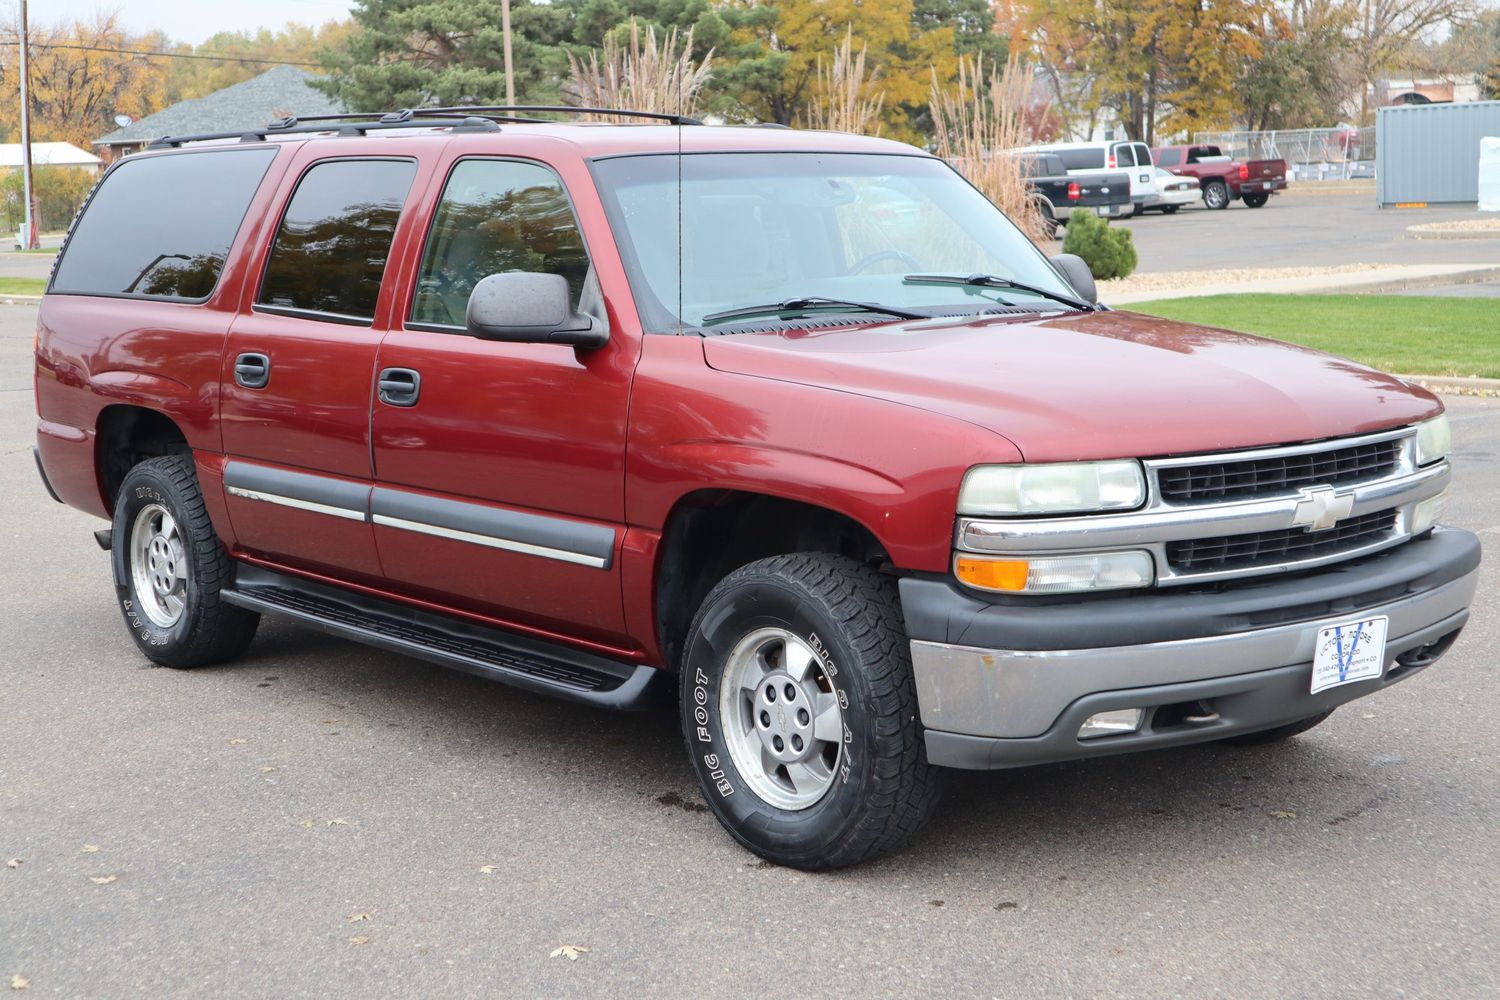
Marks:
<point>800,713</point>
<point>169,567</point>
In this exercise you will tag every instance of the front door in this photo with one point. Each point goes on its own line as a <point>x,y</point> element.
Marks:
<point>499,468</point>
<point>298,372</point>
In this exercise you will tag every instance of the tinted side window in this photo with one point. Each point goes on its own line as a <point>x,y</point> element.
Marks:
<point>1124,155</point>
<point>160,227</point>
<point>330,251</point>
<point>494,216</point>
<point>1169,158</point>
<point>1082,159</point>
<point>1142,155</point>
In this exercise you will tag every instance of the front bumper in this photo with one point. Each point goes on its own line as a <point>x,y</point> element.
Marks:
<point>1009,684</point>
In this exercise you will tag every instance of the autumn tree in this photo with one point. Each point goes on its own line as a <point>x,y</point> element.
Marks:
<point>1385,30</point>
<point>213,65</point>
<point>777,83</point>
<point>1301,79</point>
<point>81,79</point>
<point>1160,65</point>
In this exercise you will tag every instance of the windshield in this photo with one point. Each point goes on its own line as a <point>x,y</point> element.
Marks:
<point>770,227</point>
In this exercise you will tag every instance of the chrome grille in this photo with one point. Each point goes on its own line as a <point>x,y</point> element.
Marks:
<point>1292,545</point>
<point>1263,476</point>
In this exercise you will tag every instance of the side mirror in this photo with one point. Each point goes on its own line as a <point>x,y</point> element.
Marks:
<point>525,307</point>
<point>1077,274</point>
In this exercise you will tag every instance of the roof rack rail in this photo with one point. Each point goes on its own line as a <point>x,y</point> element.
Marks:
<point>564,109</point>
<point>355,124</point>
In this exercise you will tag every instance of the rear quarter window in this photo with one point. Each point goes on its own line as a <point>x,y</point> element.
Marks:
<point>1169,158</point>
<point>1082,159</point>
<point>160,227</point>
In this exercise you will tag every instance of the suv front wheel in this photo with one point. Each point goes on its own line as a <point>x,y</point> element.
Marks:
<point>170,566</point>
<point>800,714</point>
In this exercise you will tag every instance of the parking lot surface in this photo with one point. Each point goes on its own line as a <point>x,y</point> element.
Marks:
<point>1306,228</point>
<point>319,819</point>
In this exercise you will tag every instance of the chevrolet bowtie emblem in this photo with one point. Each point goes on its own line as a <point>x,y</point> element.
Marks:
<point>1321,508</point>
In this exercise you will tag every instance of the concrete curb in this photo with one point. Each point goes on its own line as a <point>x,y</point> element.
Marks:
<point>1465,277</point>
<point>1397,277</point>
<point>1417,233</point>
<point>1454,385</point>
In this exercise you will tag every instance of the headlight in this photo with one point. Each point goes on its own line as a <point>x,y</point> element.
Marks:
<point>1434,440</point>
<point>1057,488</point>
<point>1069,574</point>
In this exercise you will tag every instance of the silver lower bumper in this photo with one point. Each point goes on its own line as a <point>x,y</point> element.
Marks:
<point>1012,694</point>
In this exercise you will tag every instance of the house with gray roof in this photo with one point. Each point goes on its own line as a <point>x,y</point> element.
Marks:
<point>250,104</point>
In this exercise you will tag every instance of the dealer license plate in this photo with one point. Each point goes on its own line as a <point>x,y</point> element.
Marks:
<point>1349,652</point>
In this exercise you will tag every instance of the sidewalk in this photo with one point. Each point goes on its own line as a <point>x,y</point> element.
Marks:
<point>1387,278</point>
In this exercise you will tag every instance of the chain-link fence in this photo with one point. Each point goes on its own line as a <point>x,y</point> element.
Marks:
<point>1311,154</point>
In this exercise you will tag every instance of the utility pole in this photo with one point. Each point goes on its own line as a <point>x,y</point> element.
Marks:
<point>28,225</point>
<point>510,75</point>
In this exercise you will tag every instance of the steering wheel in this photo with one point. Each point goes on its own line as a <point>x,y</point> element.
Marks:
<point>878,256</point>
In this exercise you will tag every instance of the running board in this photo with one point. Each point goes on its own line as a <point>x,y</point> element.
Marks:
<point>532,664</point>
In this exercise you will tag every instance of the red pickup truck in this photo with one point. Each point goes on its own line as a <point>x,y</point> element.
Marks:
<point>1224,180</point>
<point>796,425</point>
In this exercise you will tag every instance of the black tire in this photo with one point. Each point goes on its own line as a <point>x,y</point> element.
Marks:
<point>206,629</point>
<point>1049,220</point>
<point>1255,200</point>
<point>1216,195</point>
<point>1137,210</point>
<point>1170,209</point>
<point>881,790</point>
<point>1277,734</point>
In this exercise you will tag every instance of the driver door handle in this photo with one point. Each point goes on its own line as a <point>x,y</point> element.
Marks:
<point>399,386</point>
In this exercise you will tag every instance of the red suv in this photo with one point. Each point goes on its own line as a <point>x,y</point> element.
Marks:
<point>795,422</point>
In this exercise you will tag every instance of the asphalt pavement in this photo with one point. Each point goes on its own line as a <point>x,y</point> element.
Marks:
<point>1305,228</point>
<point>319,819</point>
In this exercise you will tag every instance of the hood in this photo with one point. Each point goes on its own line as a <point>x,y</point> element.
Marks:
<point>1090,385</point>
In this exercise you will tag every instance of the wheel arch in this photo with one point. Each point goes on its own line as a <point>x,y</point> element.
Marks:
<point>126,435</point>
<point>710,532</point>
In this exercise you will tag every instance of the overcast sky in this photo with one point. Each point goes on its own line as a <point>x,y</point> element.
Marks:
<point>192,20</point>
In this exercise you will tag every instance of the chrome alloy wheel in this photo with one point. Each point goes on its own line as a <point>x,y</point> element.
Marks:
<point>781,719</point>
<point>158,565</point>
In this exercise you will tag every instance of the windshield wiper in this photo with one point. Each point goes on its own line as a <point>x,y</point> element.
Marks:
<point>995,281</point>
<point>807,303</point>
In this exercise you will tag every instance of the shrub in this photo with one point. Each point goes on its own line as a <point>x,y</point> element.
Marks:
<point>1109,252</point>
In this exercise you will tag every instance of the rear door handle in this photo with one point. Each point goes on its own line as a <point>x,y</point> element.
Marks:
<point>252,371</point>
<point>399,386</point>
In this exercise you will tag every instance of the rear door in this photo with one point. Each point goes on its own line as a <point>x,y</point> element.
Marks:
<point>500,466</point>
<point>298,371</point>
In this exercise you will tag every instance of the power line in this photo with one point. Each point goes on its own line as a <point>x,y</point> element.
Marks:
<point>169,55</point>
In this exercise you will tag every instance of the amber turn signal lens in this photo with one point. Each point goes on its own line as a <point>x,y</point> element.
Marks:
<point>992,574</point>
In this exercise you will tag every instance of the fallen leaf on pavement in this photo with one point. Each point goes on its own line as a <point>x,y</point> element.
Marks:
<point>13,863</point>
<point>489,869</point>
<point>267,769</point>
<point>102,879</point>
<point>89,849</point>
<point>1282,814</point>
<point>357,918</point>
<point>568,951</point>
<point>308,822</point>
<point>359,939</point>
<point>19,982</point>
<point>338,821</point>
<point>238,740</point>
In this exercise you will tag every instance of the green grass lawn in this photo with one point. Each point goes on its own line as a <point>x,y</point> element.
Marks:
<point>22,286</point>
<point>1412,335</point>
